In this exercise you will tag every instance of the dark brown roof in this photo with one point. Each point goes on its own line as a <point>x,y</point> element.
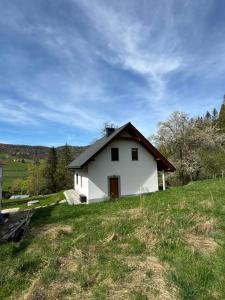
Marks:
<point>99,145</point>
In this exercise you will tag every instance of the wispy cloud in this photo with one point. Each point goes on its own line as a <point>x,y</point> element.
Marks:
<point>73,65</point>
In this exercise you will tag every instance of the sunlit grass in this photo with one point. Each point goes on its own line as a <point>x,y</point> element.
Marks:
<point>167,245</point>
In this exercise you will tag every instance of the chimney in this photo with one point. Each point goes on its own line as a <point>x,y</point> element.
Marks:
<point>109,131</point>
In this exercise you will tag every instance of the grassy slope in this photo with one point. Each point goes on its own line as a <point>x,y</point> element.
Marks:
<point>168,245</point>
<point>12,171</point>
<point>43,200</point>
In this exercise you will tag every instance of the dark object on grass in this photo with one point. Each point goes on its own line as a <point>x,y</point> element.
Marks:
<point>14,231</point>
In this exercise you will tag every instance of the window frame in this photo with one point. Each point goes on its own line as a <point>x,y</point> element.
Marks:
<point>134,153</point>
<point>118,156</point>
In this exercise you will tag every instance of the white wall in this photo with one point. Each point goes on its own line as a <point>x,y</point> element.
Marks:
<point>135,176</point>
<point>82,186</point>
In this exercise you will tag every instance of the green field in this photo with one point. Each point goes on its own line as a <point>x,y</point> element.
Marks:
<point>167,245</point>
<point>43,201</point>
<point>12,171</point>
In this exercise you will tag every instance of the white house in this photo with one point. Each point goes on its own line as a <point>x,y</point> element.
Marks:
<point>121,163</point>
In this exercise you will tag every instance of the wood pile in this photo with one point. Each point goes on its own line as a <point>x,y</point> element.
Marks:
<point>14,229</point>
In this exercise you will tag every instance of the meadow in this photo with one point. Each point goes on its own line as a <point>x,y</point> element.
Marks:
<point>165,245</point>
<point>13,170</point>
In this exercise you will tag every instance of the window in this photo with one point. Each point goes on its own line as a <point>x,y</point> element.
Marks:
<point>76,178</point>
<point>134,153</point>
<point>114,154</point>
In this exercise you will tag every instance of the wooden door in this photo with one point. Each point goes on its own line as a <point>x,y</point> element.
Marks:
<point>114,187</point>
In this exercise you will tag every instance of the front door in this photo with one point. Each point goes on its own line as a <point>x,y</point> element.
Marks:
<point>114,187</point>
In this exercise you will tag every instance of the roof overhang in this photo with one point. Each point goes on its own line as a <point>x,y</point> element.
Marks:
<point>162,162</point>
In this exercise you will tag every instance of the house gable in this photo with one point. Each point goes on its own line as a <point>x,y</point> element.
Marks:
<point>126,132</point>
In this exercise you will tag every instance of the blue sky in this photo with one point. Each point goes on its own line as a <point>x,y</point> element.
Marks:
<point>67,66</point>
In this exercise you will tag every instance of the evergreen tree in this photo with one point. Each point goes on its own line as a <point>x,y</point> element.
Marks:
<point>64,175</point>
<point>50,172</point>
<point>214,115</point>
<point>208,115</point>
<point>221,119</point>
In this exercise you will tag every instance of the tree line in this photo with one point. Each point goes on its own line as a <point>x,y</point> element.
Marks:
<point>47,176</point>
<point>196,146</point>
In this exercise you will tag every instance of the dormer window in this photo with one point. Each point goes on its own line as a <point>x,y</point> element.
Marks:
<point>134,153</point>
<point>114,154</point>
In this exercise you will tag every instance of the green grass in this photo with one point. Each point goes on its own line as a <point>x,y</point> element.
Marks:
<point>128,249</point>
<point>12,171</point>
<point>43,200</point>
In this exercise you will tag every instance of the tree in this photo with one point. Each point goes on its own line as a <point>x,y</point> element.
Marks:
<point>221,119</point>
<point>50,171</point>
<point>208,115</point>
<point>214,115</point>
<point>184,141</point>
<point>35,184</point>
<point>64,175</point>
<point>18,186</point>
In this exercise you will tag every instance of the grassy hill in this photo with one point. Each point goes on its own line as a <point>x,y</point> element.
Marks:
<point>166,245</point>
<point>12,171</point>
<point>17,157</point>
<point>30,152</point>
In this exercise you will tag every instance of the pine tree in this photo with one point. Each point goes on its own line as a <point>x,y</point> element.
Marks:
<point>64,175</point>
<point>221,119</point>
<point>208,115</point>
<point>214,115</point>
<point>50,172</point>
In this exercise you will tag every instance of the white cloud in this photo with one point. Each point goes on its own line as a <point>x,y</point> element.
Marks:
<point>119,69</point>
<point>134,47</point>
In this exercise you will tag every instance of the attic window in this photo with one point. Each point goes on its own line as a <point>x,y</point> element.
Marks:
<point>134,153</point>
<point>114,154</point>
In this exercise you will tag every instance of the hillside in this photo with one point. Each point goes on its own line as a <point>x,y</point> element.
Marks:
<point>20,152</point>
<point>165,245</point>
<point>16,158</point>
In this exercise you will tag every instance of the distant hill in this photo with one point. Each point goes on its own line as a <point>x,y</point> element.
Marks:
<point>31,152</point>
<point>16,158</point>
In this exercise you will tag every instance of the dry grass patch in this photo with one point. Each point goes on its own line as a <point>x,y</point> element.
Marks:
<point>147,277</point>
<point>201,244</point>
<point>182,204</point>
<point>145,235</point>
<point>54,230</point>
<point>209,203</point>
<point>56,290</point>
<point>71,261</point>
<point>205,227</point>
<point>134,213</point>
<point>110,220</point>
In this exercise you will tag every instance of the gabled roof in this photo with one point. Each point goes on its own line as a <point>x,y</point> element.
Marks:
<point>93,150</point>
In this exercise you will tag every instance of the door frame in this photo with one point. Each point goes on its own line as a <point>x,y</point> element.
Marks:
<point>119,184</point>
